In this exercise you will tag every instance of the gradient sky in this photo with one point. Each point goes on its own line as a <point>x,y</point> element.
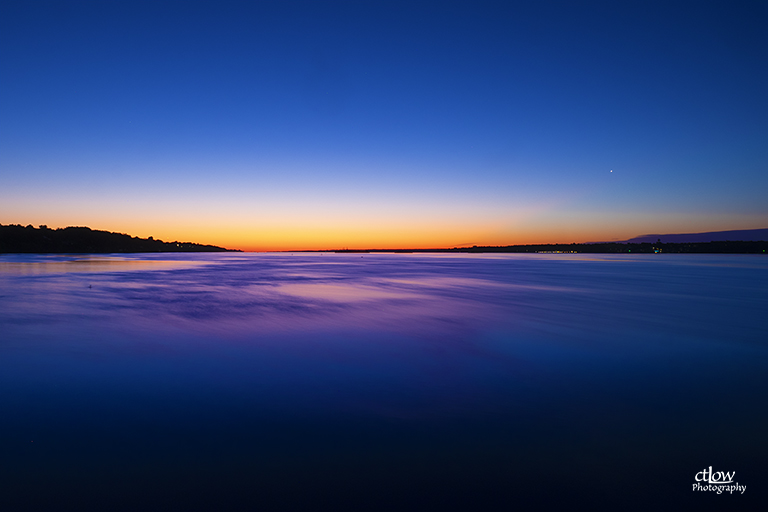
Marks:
<point>319,125</point>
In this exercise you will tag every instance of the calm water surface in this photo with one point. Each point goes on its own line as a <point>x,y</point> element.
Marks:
<point>381,381</point>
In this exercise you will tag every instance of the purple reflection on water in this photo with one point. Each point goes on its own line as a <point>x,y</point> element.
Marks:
<point>280,381</point>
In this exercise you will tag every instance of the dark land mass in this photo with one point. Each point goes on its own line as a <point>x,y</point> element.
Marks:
<point>725,247</point>
<point>81,240</point>
<point>743,241</point>
<point>15,238</point>
<point>745,235</point>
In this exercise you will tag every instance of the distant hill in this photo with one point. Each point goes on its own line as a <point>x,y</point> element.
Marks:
<point>743,235</point>
<point>725,247</point>
<point>20,239</point>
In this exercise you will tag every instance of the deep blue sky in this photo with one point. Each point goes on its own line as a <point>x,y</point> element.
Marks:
<point>298,124</point>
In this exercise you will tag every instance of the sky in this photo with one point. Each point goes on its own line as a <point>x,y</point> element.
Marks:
<point>322,125</point>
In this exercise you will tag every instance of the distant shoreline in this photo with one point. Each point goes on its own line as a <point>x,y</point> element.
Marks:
<point>17,239</point>
<point>721,247</point>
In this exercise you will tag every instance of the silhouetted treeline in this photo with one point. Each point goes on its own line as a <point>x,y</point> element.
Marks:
<point>16,238</point>
<point>727,247</point>
<point>753,235</point>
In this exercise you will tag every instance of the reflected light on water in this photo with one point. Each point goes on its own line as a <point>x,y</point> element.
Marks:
<point>279,380</point>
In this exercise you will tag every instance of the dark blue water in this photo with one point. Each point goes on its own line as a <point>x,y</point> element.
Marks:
<point>381,382</point>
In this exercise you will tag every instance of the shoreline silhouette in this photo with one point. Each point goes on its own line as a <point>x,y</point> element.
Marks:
<point>15,238</point>
<point>724,247</point>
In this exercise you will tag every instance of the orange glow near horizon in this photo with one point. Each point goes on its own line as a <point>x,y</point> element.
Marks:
<point>279,227</point>
<point>289,237</point>
<point>319,238</point>
<point>370,234</point>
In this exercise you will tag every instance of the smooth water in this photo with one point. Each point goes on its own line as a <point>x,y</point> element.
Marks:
<point>380,381</point>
